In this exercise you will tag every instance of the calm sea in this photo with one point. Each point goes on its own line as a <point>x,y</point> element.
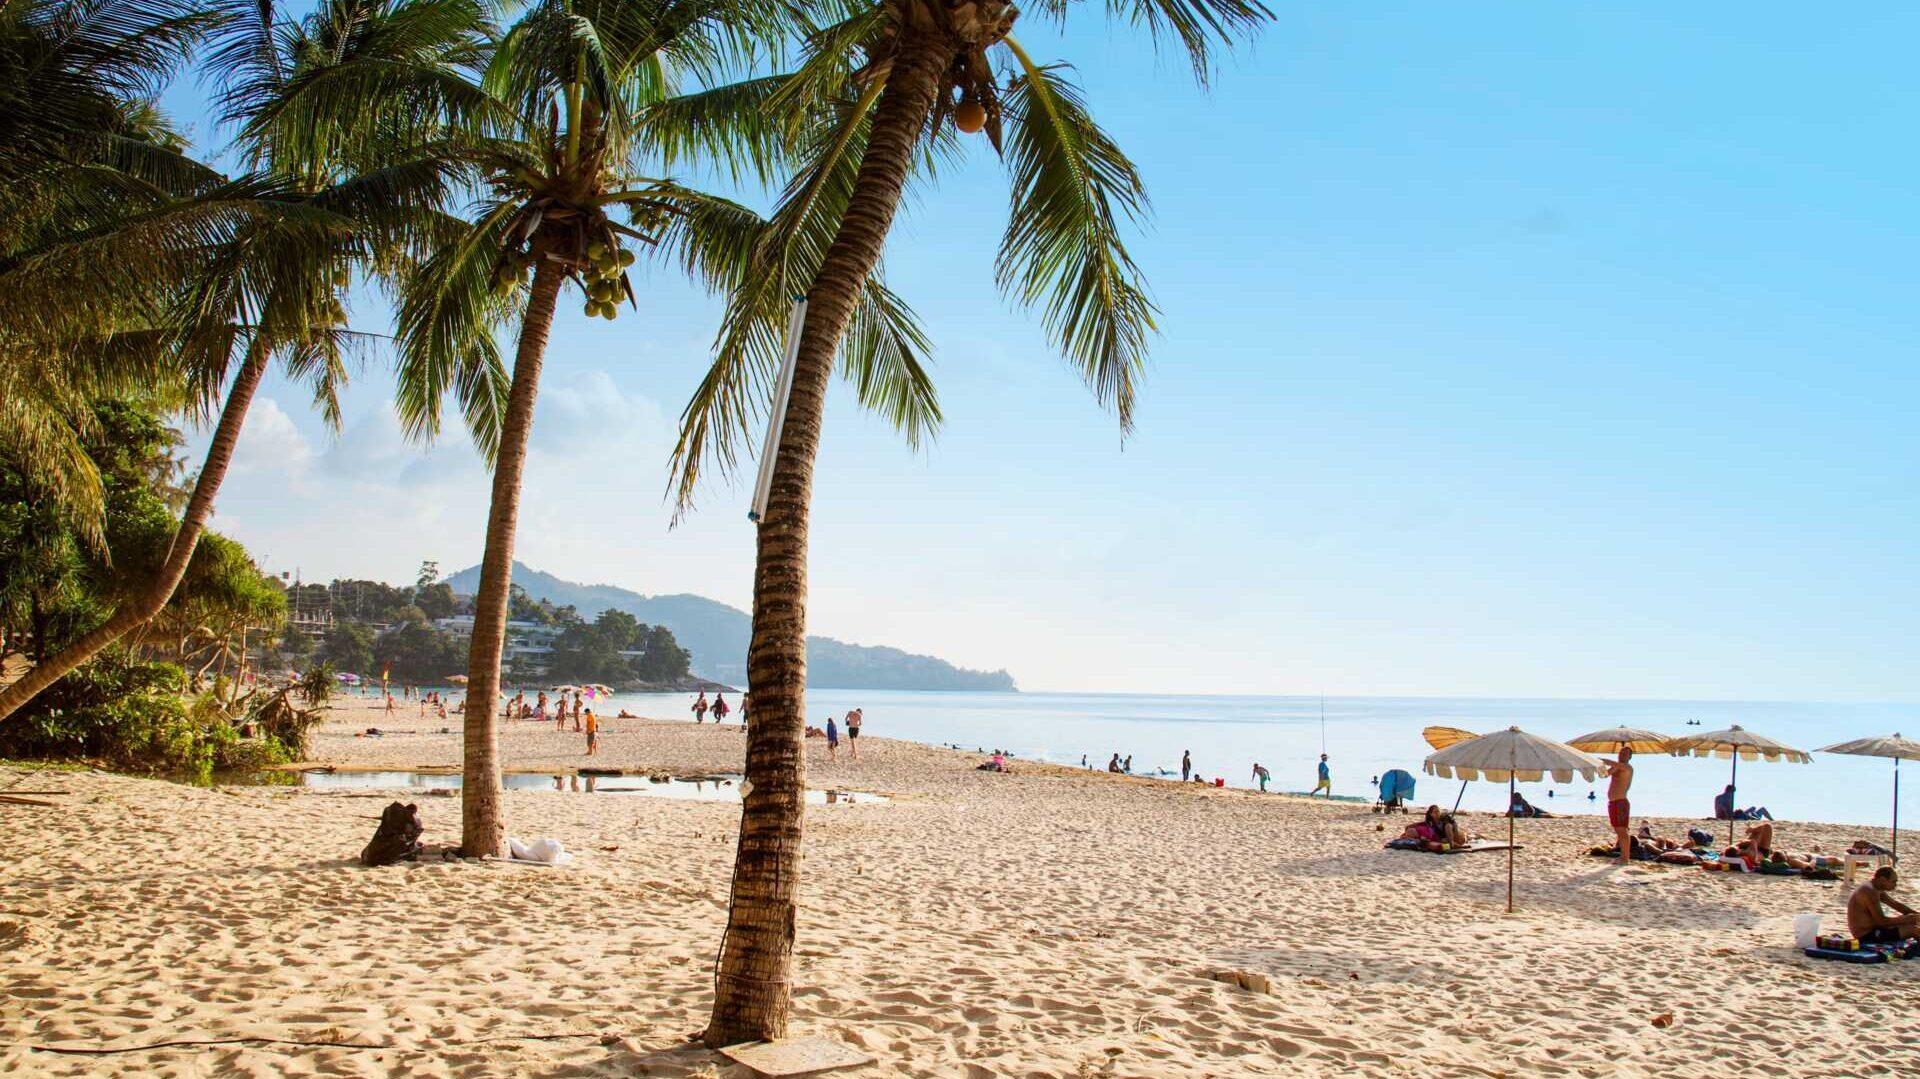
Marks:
<point>1365,736</point>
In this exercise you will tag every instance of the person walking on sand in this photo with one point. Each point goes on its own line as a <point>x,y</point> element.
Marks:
<point>833,740</point>
<point>1326,778</point>
<point>1186,765</point>
<point>700,708</point>
<point>1619,813</point>
<point>719,708</point>
<point>1262,775</point>
<point>853,733</point>
<point>593,733</point>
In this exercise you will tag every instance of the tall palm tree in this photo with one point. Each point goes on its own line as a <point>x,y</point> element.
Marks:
<point>907,67</point>
<point>268,284</point>
<point>587,96</point>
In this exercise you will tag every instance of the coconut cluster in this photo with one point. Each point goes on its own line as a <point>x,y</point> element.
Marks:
<point>511,271</point>
<point>606,265</point>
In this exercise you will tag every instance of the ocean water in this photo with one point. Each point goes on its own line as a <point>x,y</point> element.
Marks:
<point>1365,736</point>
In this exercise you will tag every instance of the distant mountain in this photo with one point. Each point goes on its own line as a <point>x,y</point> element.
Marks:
<point>717,635</point>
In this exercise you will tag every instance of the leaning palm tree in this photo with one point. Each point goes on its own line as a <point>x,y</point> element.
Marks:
<point>253,269</point>
<point>907,67</point>
<point>588,95</point>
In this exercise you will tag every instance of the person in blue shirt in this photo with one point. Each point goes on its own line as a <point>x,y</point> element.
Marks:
<point>1326,778</point>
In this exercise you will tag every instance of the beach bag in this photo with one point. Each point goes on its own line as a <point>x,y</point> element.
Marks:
<point>397,839</point>
<point>1806,930</point>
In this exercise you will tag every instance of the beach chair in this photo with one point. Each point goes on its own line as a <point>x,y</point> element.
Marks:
<point>1396,787</point>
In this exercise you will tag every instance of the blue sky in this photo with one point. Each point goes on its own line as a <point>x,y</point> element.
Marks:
<point>1509,349</point>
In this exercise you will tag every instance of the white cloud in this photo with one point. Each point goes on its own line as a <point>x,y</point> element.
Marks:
<point>271,442</point>
<point>587,414</point>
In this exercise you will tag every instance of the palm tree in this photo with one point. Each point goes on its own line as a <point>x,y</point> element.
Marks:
<point>585,95</point>
<point>254,267</point>
<point>905,67</point>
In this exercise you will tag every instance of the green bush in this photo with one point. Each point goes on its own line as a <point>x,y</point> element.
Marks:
<point>134,715</point>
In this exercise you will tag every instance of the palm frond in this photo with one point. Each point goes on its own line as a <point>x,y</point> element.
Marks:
<point>1195,26</point>
<point>1062,247</point>
<point>445,329</point>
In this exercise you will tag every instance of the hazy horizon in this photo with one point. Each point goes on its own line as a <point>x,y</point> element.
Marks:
<point>1507,352</point>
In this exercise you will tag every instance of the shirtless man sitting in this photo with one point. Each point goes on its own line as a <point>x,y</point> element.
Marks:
<point>1867,917</point>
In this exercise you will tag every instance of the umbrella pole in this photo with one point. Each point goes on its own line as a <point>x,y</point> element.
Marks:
<point>1509,842</point>
<point>1896,795</point>
<point>1896,809</point>
<point>1733,806</point>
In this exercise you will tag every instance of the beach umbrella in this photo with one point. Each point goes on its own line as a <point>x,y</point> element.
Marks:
<point>1441,738</point>
<point>1738,743</point>
<point>1614,739</point>
<point>1896,747</point>
<point>1511,756</point>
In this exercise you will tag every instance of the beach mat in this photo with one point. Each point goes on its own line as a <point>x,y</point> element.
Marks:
<point>1839,955</point>
<point>1478,846</point>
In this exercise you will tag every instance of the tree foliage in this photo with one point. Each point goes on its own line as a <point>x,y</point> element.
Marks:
<point>615,648</point>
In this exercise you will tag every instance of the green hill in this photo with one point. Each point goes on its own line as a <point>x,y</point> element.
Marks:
<point>717,635</point>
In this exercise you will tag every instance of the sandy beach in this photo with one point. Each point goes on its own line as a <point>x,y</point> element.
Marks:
<point>1048,923</point>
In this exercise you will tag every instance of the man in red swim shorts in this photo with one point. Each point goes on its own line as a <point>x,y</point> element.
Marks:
<point>1619,814</point>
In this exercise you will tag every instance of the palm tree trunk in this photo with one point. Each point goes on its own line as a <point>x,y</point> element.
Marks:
<point>483,824</point>
<point>750,984</point>
<point>153,599</point>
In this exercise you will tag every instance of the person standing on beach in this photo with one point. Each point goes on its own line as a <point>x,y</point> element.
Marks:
<point>1326,778</point>
<point>1186,765</point>
<point>1619,813</point>
<point>700,708</point>
<point>593,734</point>
<point>833,740</point>
<point>1262,775</point>
<point>1127,765</point>
<point>853,733</point>
<point>719,708</point>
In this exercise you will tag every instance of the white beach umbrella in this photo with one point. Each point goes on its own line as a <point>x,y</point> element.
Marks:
<point>1896,747</point>
<point>1614,739</point>
<point>1512,756</point>
<point>1737,743</point>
